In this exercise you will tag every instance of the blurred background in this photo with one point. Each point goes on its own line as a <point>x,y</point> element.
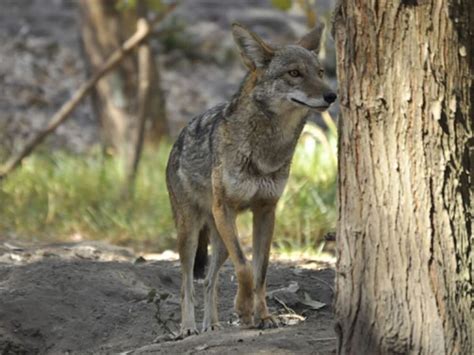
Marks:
<point>76,186</point>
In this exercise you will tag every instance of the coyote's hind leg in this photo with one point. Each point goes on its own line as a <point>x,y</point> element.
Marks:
<point>188,226</point>
<point>219,256</point>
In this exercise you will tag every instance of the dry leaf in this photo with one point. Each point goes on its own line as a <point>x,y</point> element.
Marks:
<point>308,301</point>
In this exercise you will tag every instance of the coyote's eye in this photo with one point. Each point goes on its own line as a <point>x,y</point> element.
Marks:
<point>321,72</point>
<point>294,73</point>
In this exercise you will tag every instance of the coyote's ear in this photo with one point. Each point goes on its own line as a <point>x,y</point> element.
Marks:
<point>312,40</point>
<point>254,51</point>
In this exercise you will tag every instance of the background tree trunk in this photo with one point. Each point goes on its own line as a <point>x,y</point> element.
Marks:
<point>404,280</point>
<point>104,28</point>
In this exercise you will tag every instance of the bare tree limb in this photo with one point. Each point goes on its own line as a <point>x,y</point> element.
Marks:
<point>143,31</point>
<point>144,75</point>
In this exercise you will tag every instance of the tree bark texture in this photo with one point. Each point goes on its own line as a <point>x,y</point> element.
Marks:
<point>404,278</point>
<point>104,28</point>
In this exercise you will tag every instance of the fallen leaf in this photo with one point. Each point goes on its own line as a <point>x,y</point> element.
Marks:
<point>293,287</point>
<point>308,301</point>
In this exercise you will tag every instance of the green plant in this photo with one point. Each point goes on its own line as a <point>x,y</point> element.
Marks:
<point>53,197</point>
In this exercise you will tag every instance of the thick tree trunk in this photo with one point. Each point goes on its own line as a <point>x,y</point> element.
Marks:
<point>104,28</point>
<point>404,280</point>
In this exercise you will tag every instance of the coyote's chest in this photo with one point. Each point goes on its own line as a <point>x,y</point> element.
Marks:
<point>255,178</point>
<point>258,167</point>
<point>245,187</point>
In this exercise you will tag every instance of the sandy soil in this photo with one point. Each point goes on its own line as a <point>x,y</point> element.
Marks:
<point>92,298</point>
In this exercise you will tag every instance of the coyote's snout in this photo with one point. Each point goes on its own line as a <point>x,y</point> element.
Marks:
<point>237,156</point>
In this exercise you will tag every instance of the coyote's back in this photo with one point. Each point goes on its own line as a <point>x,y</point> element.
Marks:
<point>188,173</point>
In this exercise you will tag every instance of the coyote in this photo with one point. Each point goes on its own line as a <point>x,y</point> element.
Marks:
<point>237,156</point>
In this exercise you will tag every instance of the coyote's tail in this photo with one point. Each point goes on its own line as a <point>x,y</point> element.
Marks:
<point>200,260</point>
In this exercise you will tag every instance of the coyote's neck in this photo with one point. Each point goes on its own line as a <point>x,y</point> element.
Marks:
<point>246,108</point>
<point>242,99</point>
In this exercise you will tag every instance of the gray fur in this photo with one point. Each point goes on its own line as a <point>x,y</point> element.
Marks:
<point>250,142</point>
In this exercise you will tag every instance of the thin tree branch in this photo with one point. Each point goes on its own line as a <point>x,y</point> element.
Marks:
<point>143,31</point>
<point>144,75</point>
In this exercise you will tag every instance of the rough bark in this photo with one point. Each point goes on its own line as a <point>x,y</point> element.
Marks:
<point>115,98</point>
<point>404,280</point>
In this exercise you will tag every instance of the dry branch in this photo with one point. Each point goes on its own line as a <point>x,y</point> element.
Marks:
<point>143,31</point>
<point>144,74</point>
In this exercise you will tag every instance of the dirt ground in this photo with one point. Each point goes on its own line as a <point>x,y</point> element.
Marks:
<point>92,298</point>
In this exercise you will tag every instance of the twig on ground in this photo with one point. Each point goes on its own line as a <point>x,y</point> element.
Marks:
<point>293,316</point>
<point>288,309</point>
<point>157,299</point>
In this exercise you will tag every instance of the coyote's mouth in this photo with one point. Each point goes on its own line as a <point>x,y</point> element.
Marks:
<point>323,107</point>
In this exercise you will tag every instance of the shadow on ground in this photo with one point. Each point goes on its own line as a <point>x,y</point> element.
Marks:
<point>98,299</point>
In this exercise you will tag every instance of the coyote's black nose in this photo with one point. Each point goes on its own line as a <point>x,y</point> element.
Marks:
<point>330,97</point>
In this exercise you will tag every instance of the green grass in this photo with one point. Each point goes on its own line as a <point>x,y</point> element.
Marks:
<point>54,197</point>
<point>60,196</point>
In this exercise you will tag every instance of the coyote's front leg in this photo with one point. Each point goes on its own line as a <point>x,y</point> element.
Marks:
<point>224,217</point>
<point>263,223</point>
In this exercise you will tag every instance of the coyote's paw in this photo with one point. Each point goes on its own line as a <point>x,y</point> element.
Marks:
<point>246,321</point>
<point>186,332</point>
<point>212,327</point>
<point>267,322</point>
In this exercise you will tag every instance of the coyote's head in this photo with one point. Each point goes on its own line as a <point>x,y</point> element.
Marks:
<point>285,77</point>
